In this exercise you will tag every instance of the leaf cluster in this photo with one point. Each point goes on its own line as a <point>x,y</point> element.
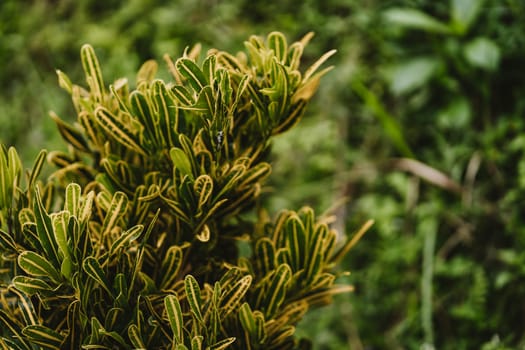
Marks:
<point>133,241</point>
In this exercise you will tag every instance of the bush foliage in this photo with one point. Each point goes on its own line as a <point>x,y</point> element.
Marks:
<point>135,241</point>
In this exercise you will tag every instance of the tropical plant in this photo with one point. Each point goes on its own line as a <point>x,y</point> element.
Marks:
<point>149,233</point>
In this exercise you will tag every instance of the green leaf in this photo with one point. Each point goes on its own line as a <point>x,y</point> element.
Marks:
<point>37,168</point>
<point>196,342</point>
<point>64,82</point>
<point>415,19</point>
<point>92,267</point>
<point>135,337</point>
<point>116,129</point>
<point>144,113</point>
<point>86,208</point>
<point>209,67</point>
<point>6,184</point>
<point>181,162</point>
<point>465,12</point>
<point>44,336</point>
<point>247,319</point>
<point>188,69</point>
<point>60,223</point>
<point>174,311</point>
<point>193,293</point>
<point>126,238</point>
<point>223,344</point>
<point>72,200</point>
<point>15,166</point>
<point>411,74</point>
<point>203,188</point>
<point>170,267</point>
<point>316,254</point>
<point>117,209</point>
<point>295,52</point>
<point>265,253</point>
<point>183,96</point>
<point>71,135</point>
<point>256,174</point>
<point>7,242</point>
<point>93,72</point>
<point>45,229</point>
<point>168,114</point>
<point>277,43</point>
<point>231,299</point>
<point>31,285</point>
<point>11,330</point>
<point>147,71</point>
<point>483,53</point>
<point>277,290</point>
<point>36,265</point>
<point>296,242</point>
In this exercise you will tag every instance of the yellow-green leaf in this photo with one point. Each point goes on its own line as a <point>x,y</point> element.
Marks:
<point>170,267</point>
<point>181,162</point>
<point>30,285</point>
<point>234,296</point>
<point>193,293</point>
<point>93,72</point>
<point>44,336</point>
<point>36,265</point>
<point>173,309</point>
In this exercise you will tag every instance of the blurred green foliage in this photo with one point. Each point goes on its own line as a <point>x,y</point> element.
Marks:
<point>420,126</point>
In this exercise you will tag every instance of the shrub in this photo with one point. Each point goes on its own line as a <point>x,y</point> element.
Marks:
<point>149,233</point>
